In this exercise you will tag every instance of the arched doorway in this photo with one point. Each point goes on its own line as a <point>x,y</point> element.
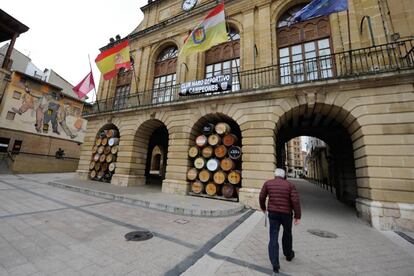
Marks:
<point>332,159</point>
<point>214,162</point>
<point>150,149</point>
<point>157,156</point>
<point>104,153</point>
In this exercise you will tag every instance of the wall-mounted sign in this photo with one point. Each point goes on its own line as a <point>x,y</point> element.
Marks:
<point>210,85</point>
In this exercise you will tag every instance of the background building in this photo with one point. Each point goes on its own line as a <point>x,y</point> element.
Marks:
<point>307,79</point>
<point>39,113</point>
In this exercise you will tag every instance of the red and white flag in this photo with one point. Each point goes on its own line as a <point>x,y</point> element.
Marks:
<point>85,86</point>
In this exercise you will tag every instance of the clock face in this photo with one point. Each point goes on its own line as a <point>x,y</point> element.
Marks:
<point>188,4</point>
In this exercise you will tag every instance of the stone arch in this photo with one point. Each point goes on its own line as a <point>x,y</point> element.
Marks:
<point>330,123</point>
<point>142,148</point>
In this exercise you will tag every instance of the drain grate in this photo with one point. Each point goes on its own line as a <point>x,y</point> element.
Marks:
<point>138,236</point>
<point>322,233</point>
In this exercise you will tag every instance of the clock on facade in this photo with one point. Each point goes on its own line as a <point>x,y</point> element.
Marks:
<point>188,4</point>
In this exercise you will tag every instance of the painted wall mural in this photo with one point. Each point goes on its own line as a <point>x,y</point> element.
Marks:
<point>43,112</point>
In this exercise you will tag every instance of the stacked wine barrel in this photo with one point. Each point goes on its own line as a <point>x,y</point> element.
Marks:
<point>104,153</point>
<point>216,162</point>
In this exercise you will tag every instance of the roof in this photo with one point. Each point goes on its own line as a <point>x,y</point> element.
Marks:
<point>10,26</point>
<point>50,84</point>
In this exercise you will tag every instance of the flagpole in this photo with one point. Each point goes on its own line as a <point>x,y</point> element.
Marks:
<point>94,89</point>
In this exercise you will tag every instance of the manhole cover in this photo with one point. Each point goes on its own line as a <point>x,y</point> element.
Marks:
<point>322,233</point>
<point>181,221</point>
<point>138,236</point>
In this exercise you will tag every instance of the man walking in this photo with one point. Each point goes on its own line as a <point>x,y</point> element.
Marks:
<point>283,198</point>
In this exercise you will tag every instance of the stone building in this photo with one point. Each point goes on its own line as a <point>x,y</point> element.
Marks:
<point>294,159</point>
<point>287,81</point>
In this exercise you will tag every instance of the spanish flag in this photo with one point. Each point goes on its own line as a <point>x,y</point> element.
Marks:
<point>210,32</point>
<point>110,60</point>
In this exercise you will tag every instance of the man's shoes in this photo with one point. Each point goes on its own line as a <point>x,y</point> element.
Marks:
<point>290,258</point>
<point>276,269</point>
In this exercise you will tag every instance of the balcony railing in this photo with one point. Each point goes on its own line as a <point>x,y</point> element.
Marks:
<point>365,61</point>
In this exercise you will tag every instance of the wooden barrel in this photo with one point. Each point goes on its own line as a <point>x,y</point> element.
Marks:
<point>100,174</point>
<point>201,140</point>
<point>204,175</point>
<point>110,158</point>
<point>97,166</point>
<point>207,152</point>
<point>94,149</point>
<point>113,141</point>
<point>114,150</point>
<point>219,177</point>
<point>192,174</point>
<point>222,128</point>
<point>214,139</point>
<point>92,165</point>
<point>98,141</point>
<point>220,151</point>
<point>104,141</point>
<point>101,149</point>
<point>112,167</point>
<point>107,150</point>
<point>199,163</point>
<point>197,187</point>
<point>96,157</point>
<point>234,152</point>
<point>234,177</point>
<point>207,129</point>
<point>227,164</point>
<point>102,158</point>
<point>104,167</point>
<point>230,139</point>
<point>213,164</point>
<point>227,190</point>
<point>92,174</point>
<point>211,189</point>
<point>193,152</point>
<point>111,133</point>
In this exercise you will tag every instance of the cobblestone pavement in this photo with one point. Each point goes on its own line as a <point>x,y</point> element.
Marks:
<point>51,231</point>
<point>358,249</point>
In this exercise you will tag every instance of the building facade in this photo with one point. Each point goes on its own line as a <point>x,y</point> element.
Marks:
<point>39,113</point>
<point>305,79</point>
<point>294,159</point>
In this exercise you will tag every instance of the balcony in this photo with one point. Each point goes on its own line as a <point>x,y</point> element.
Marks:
<point>384,58</point>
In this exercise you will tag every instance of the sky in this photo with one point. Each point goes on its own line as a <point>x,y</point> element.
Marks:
<point>63,33</point>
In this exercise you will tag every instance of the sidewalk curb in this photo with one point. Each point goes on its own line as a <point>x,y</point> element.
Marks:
<point>151,205</point>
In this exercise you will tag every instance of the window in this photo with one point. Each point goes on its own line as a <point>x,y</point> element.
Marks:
<point>224,68</point>
<point>163,88</point>
<point>165,76</point>
<point>121,96</point>
<point>304,62</point>
<point>10,115</point>
<point>17,95</point>
<point>225,59</point>
<point>304,48</point>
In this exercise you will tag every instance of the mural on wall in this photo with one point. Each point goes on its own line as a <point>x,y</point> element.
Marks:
<point>48,113</point>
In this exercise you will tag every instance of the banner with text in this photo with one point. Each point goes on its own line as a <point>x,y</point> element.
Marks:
<point>209,85</point>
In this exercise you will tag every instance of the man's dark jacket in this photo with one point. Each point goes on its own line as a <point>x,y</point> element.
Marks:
<point>283,197</point>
